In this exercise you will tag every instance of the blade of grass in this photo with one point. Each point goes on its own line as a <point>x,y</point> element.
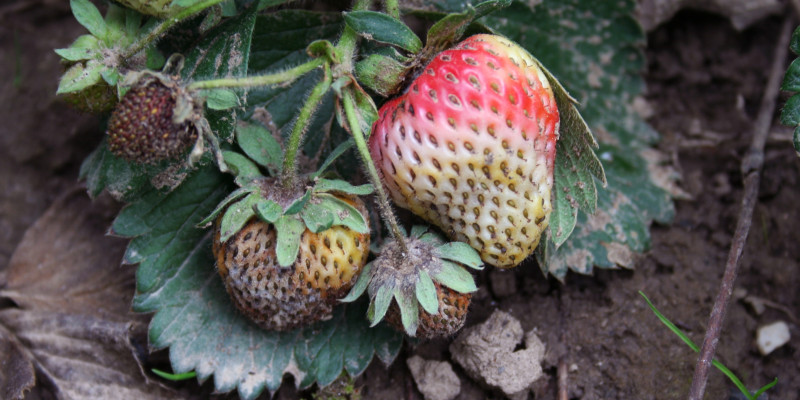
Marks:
<point>174,377</point>
<point>716,363</point>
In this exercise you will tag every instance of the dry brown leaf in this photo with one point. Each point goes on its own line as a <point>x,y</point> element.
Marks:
<point>72,311</point>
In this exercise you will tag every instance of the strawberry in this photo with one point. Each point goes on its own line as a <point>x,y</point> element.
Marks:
<point>470,147</point>
<point>452,313</point>
<point>143,127</point>
<point>283,298</point>
<point>421,286</point>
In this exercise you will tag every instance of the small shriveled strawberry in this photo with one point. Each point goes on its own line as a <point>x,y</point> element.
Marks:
<point>450,318</point>
<point>283,298</point>
<point>422,286</point>
<point>470,147</point>
<point>143,128</point>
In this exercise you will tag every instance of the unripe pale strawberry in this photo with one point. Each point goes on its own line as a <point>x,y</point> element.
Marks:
<point>142,127</point>
<point>449,319</point>
<point>470,147</point>
<point>283,298</point>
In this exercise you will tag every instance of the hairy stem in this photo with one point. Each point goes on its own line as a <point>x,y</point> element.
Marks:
<point>392,8</point>
<point>301,126</point>
<point>347,42</point>
<point>259,80</point>
<point>361,145</point>
<point>165,25</point>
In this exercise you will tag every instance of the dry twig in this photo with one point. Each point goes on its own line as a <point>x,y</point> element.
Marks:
<point>751,171</point>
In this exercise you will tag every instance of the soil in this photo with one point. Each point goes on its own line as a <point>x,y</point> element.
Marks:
<point>705,82</point>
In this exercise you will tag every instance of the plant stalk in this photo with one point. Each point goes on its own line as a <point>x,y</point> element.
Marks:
<point>751,169</point>
<point>165,25</point>
<point>289,174</point>
<point>392,8</point>
<point>361,145</point>
<point>259,80</point>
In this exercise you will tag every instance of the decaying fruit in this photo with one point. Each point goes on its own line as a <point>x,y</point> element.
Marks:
<point>470,147</point>
<point>422,286</point>
<point>283,298</point>
<point>145,127</point>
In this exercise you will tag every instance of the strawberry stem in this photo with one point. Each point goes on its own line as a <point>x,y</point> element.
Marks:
<point>392,8</point>
<point>361,145</point>
<point>164,26</point>
<point>259,80</point>
<point>289,175</point>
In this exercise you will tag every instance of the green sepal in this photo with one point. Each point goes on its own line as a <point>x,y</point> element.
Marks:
<point>333,155</point>
<point>235,195</point>
<point>290,228</point>
<point>323,48</point>
<point>361,284</point>
<point>242,167</point>
<point>449,29</point>
<point>791,81</point>
<point>259,144</point>
<point>89,16</point>
<point>221,98</point>
<point>111,76</point>
<point>237,215</point>
<point>383,28</point>
<point>794,42</point>
<point>380,73</point>
<point>80,76</point>
<point>298,204</point>
<point>379,305</point>
<point>409,310</point>
<point>327,210</point>
<point>337,185</point>
<point>269,211</point>
<point>418,230</point>
<point>75,53</point>
<point>455,277</point>
<point>426,293</point>
<point>462,253</point>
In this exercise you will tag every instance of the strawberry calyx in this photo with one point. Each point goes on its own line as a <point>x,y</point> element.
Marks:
<point>410,277</point>
<point>312,203</point>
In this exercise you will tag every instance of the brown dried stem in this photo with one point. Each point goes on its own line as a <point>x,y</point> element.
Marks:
<point>751,171</point>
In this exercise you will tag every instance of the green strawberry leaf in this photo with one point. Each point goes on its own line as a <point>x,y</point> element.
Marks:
<point>280,41</point>
<point>222,52</point>
<point>382,28</point>
<point>450,28</point>
<point>598,58</point>
<point>790,115</point>
<point>259,144</point>
<point>196,320</point>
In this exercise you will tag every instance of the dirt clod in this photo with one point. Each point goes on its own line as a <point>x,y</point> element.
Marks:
<point>435,379</point>
<point>486,352</point>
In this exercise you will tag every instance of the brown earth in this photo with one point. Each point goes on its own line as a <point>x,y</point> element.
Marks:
<point>705,81</point>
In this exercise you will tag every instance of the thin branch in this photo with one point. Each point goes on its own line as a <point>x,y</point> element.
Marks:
<point>751,170</point>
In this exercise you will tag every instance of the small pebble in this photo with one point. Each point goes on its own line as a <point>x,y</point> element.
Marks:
<point>772,336</point>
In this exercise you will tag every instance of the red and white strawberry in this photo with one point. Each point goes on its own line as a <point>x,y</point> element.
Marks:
<point>470,147</point>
